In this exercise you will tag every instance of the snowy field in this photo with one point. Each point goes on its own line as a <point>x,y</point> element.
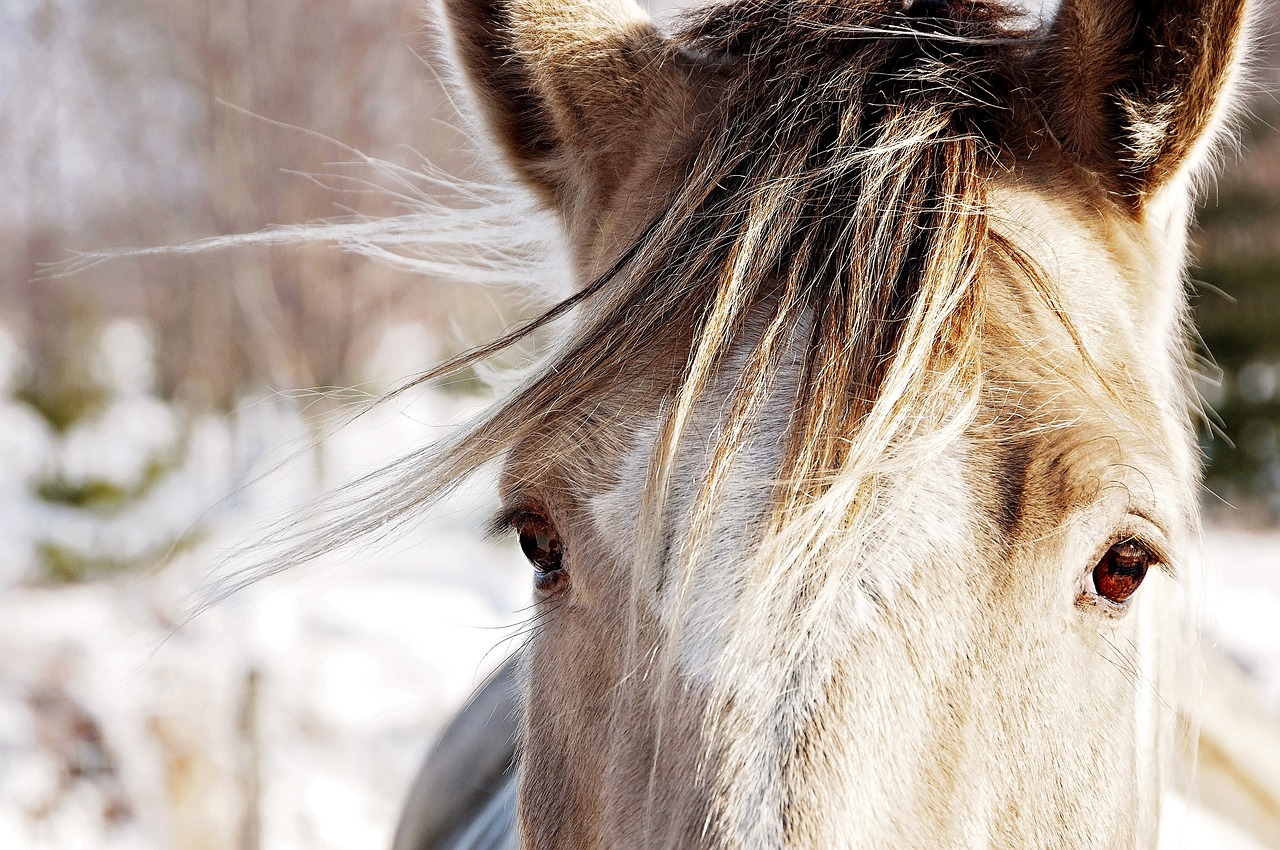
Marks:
<point>295,715</point>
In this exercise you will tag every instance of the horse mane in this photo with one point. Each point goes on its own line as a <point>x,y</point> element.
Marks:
<point>836,204</point>
<point>840,181</point>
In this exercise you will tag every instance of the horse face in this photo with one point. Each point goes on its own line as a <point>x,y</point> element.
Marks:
<point>983,659</point>
<point>997,669</point>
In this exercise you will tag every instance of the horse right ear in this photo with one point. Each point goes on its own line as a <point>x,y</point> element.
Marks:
<point>570,88</point>
<point>1136,87</point>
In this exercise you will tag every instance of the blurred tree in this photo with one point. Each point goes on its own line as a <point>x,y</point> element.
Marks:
<point>153,122</point>
<point>1237,308</point>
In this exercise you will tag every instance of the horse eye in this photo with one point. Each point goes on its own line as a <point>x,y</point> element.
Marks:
<point>540,543</point>
<point>1121,570</point>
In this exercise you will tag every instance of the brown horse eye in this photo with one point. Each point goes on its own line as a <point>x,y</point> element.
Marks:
<point>1121,570</point>
<point>539,542</point>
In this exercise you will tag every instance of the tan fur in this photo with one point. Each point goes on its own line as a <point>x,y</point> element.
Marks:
<point>550,75</point>
<point>1034,335</point>
<point>948,255</point>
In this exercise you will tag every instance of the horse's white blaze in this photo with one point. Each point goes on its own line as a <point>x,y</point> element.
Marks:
<point>915,520</point>
<point>704,605</point>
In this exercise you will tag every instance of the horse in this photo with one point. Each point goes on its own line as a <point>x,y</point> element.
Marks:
<point>860,490</point>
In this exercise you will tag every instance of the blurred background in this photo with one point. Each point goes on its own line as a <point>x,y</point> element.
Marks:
<point>144,400</point>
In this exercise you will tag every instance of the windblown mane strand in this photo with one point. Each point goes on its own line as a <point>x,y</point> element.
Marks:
<point>847,171</point>
<point>838,193</point>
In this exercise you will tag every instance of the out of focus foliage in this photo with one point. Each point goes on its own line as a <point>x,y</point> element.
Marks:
<point>156,122</point>
<point>142,123</point>
<point>1237,311</point>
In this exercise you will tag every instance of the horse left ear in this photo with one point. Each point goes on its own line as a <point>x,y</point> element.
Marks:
<point>1136,88</point>
<point>573,90</point>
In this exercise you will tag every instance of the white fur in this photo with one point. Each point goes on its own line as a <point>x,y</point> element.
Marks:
<point>930,517</point>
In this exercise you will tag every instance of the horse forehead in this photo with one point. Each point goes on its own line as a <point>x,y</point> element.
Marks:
<point>1102,273</point>
<point>933,517</point>
<point>1116,278</point>
<point>1095,360</point>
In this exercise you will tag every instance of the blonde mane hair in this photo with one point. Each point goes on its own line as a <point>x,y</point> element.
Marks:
<point>839,196</point>
<point>828,236</point>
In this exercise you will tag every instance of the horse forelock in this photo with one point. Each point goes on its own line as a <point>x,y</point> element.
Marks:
<point>818,275</point>
<point>838,194</point>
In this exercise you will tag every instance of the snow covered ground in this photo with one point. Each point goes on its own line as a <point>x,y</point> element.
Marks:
<point>294,715</point>
<point>300,709</point>
<point>1244,604</point>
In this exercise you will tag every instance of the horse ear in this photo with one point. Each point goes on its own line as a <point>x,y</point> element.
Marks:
<point>1137,87</point>
<point>570,88</point>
